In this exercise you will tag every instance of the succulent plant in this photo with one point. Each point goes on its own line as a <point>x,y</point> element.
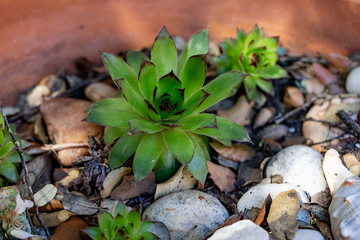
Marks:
<point>123,225</point>
<point>8,154</point>
<point>253,54</point>
<point>160,118</point>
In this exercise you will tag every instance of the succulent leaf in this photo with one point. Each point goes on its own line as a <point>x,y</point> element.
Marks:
<point>220,87</point>
<point>112,117</point>
<point>148,80</point>
<point>179,144</point>
<point>165,166</point>
<point>225,129</point>
<point>141,125</point>
<point>250,87</point>
<point>119,69</point>
<point>164,54</point>
<point>124,148</point>
<point>8,170</point>
<point>6,148</point>
<point>193,75</point>
<point>135,100</point>
<point>198,165</point>
<point>264,85</point>
<point>113,133</point>
<point>197,45</point>
<point>198,121</point>
<point>111,103</point>
<point>134,59</point>
<point>147,154</point>
<point>94,233</point>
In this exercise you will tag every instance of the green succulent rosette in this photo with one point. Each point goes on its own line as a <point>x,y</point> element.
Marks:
<point>160,119</point>
<point>253,54</point>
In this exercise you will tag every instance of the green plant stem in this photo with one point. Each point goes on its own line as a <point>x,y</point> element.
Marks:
<point>26,177</point>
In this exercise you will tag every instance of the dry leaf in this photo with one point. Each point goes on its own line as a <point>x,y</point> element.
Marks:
<point>223,177</point>
<point>53,205</point>
<point>236,153</point>
<point>53,219</point>
<point>240,112</point>
<point>274,131</point>
<point>71,229</point>
<point>282,215</point>
<point>263,211</point>
<point>182,180</point>
<point>45,195</point>
<point>324,229</point>
<point>130,188</point>
<point>78,204</point>
<point>113,179</point>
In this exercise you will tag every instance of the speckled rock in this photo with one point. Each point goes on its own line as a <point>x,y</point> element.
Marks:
<point>256,195</point>
<point>64,121</point>
<point>244,229</point>
<point>188,214</point>
<point>299,166</point>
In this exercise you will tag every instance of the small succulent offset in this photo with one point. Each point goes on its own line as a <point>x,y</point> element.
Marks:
<point>160,117</point>
<point>8,154</point>
<point>123,225</point>
<point>252,54</point>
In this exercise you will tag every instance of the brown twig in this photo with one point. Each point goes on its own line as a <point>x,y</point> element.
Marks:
<point>71,90</point>
<point>327,140</point>
<point>16,142</point>
<point>351,124</point>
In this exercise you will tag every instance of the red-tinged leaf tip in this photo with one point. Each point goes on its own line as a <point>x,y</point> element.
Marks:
<point>205,97</point>
<point>154,93</point>
<point>163,33</point>
<point>172,75</point>
<point>150,107</point>
<point>118,84</point>
<point>100,52</point>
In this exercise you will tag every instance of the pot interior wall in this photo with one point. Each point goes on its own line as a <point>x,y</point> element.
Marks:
<point>40,37</point>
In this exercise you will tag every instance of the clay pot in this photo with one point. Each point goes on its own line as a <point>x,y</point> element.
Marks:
<point>40,37</point>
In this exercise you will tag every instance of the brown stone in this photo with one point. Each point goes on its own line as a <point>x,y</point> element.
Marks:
<point>71,229</point>
<point>64,122</point>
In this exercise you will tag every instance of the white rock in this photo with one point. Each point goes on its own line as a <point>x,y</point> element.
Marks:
<point>244,229</point>
<point>353,81</point>
<point>299,166</point>
<point>188,214</point>
<point>256,195</point>
<point>304,234</point>
<point>99,90</point>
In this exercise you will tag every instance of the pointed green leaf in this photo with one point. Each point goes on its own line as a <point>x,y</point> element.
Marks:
<point>198,165</point>
<point>134,219</point>
<point>253,36</point>
<point>193,75</point>
<point>8,170</point>
<point>112,103</point>
<point>165,166</point>
<point>105,220</point>
<point>269,43</point>
<point>147,154</point>
<point>164,54</point>
<point>134,59</point>
<point>14,157</point>
<point>113,133</point>
<point>179,144</point>
<point>168,84</point>
<point>194,102</point>
<point>121,210</point>
<point>118,225</point>
<point>118,69</point>
<point>226,130</point>
<point>273,72</point>
<point>124,148</point>
<point>265,85</point>
<point>198,121</point>
<point>6,149</point>
<point>137,126</point>
<point>220,87</point>
<point>250,87</point>
<point>148,80</point>
<point>197,45</point>
<point>94,233</point>
<point>112,117</point>
<point>145,227</point>
<point>224,141</point>
<point>135,100</point>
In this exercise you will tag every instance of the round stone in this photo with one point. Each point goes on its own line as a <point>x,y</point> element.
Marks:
<point>188,214</point>
<point>353,81</point>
